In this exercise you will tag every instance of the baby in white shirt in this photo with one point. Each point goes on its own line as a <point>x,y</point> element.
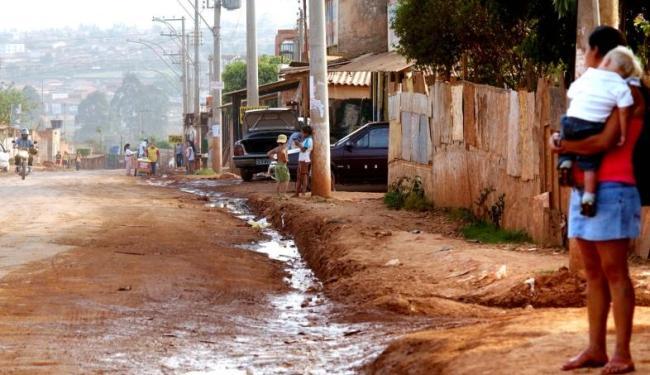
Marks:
<point>593,98</point>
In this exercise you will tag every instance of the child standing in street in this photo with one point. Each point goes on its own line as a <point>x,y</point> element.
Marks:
<point>593,98</point>
<point>304,160</point>
<point>282,176</point>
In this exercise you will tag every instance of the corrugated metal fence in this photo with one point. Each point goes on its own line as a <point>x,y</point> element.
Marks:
<point>463,138</point>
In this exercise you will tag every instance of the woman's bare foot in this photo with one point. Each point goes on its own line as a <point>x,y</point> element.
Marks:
<point>586,359</point>
<point>619,366</point>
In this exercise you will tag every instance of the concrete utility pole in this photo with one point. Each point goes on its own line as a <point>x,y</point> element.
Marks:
<point>319,101</point>
<point>217,85</point>
<point>591,13</point>
<point>253,97</point>
<point>197,81</point>
<point>186,103</point>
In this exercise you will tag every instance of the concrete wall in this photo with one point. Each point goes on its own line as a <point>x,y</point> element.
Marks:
<point>362,27</point>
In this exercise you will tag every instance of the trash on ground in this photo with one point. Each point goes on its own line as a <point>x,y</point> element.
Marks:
<point>502,272</point>
<point>392,263</point>
<point>531,283</point>
<point>260,224</point>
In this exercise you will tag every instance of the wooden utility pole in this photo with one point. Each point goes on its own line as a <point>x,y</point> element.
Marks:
<point>591,13</point>
<point>319,101</point>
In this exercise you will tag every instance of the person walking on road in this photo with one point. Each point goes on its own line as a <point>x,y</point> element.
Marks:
<point>129,159</point>
<point>282,176</point>
<point>604,240</point>
<point>190,156</point>
<point>77,161</point>
<point>153,154</point>
<point>179,155</point>
<point>304,160</point>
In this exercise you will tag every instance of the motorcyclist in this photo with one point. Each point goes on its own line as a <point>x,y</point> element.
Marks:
<point>24,143</point>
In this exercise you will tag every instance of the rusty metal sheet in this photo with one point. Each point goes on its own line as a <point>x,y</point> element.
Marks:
<point>406,136</point>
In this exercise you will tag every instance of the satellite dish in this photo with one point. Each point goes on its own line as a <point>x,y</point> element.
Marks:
<point>231,4</point>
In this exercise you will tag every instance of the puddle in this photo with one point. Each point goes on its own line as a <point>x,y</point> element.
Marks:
<point>300,334</point>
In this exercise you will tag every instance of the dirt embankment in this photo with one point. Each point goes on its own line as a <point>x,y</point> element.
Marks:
<point>513,303</point>
<point>414,263</point>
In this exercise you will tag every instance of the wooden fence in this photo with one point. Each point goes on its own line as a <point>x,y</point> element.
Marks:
<point>464,138</point>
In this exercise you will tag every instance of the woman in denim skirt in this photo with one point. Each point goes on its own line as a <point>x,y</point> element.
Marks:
<point>604,240</point>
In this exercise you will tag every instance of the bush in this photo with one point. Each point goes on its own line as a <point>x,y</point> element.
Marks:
<point>407,193</point>
<point>393,200</point>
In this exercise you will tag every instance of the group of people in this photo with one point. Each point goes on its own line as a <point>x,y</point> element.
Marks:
<point>66,160</point>
<point>303,141</point>
<point>146,150</point>
<point>597,146</point>
<point>150,153</point>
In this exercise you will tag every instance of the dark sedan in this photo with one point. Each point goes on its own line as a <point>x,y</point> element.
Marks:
<point>361,157</point>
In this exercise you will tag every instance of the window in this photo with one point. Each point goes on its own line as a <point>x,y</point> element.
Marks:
<point>378,138</point>
<point>362,142</point>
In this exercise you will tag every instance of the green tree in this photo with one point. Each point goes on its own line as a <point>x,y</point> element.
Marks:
<point>139,110</point>
<point>11,99</point>
<point>498,42</point>
<point>234,75</point>
<point>94,113</point>
<point>35,104</point>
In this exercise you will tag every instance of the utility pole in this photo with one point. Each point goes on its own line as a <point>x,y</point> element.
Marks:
<point>197,80</point>
<point>319,101</point>
<point>186,103</point>
<point>253,97</point>
<point>305,46</point>
<point>592,13</point>
<point>217,85</point>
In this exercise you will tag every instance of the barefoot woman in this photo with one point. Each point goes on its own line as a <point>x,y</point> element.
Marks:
<point>604,240</point>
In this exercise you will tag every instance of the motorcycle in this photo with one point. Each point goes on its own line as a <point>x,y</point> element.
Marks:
<point>23,169</point>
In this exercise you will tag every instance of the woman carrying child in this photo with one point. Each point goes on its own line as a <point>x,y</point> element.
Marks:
<point>604,239</point>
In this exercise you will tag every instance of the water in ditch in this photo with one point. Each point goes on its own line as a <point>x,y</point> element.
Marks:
<point>302,333</point>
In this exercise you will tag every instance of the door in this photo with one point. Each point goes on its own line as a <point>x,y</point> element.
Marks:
<point>365,159</point>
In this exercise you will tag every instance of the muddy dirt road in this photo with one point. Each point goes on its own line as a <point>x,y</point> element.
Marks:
<point>104,273</point>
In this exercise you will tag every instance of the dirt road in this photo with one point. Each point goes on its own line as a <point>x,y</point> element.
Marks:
<point>105,273</point>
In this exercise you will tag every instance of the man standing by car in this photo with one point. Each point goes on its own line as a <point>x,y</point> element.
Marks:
<point>304,160</point>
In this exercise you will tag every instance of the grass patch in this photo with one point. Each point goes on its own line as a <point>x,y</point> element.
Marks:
<point>205,172</point>
<point>393,200</point>
<point>491,234</point>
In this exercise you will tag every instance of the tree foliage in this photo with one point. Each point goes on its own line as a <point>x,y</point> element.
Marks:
<point>234,75</point>
<point>499,42</point>
<point>139,110</point>
<point>94,113</point>
<point>11,100</point>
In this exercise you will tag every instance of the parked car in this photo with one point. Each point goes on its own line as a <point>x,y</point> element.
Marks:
<point>263,127</point>
<point>360,157</point>
<point>4,158</point>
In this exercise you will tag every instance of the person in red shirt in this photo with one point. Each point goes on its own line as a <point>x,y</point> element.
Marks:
<point>604,240</point>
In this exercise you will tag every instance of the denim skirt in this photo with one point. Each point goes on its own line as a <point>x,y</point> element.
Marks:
<point>618,214</point>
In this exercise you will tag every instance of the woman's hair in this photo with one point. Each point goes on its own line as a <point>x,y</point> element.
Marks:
<point>128,145</point>
<point>626,61</point>
<point>307,130</point>
<point>606,38</point>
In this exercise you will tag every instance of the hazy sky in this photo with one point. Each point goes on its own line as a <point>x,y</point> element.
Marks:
<point>40,14</point>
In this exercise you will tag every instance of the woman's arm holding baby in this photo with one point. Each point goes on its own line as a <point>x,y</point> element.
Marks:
<point>595,144</point>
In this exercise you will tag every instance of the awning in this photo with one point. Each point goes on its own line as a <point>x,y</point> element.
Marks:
<point>376,62</point>
<point>270,88</point>
<point>359,79</point>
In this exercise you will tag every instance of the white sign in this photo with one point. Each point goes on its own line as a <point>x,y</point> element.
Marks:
<point>217,85</point>
<point>216,130</point>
